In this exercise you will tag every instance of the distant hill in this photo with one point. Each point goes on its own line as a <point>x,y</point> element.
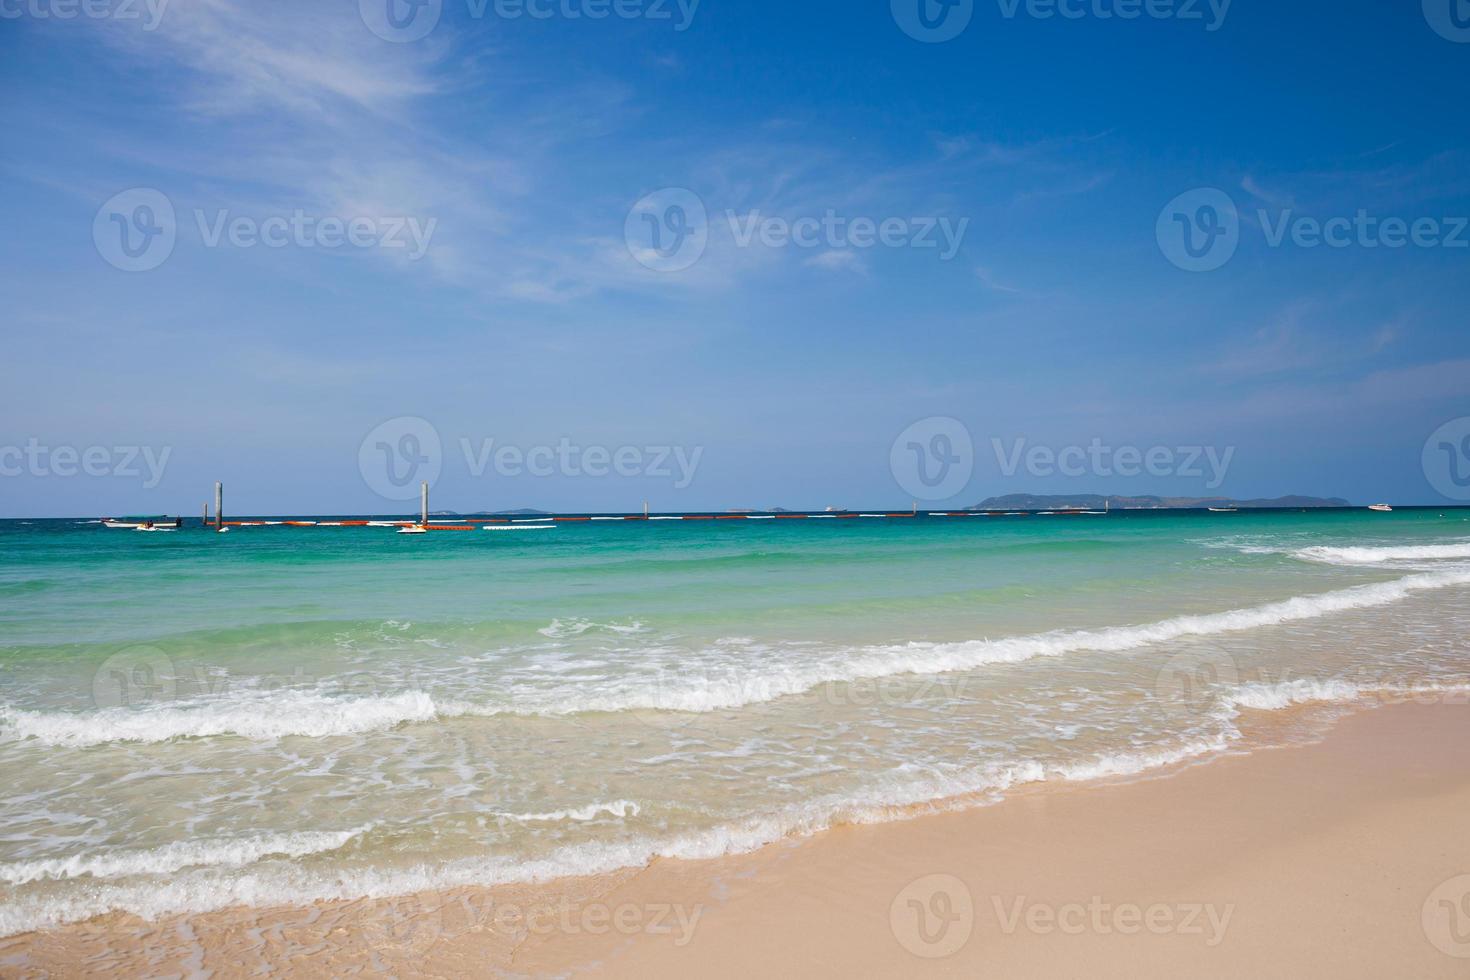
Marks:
<point>523,512</point>
<point>1094,501</point>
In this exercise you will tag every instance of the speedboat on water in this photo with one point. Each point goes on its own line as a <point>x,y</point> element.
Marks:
<point>144,523</point>
<point>1381,508</point>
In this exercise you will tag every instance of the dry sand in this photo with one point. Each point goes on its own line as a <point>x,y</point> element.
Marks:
<point>1342,858</point>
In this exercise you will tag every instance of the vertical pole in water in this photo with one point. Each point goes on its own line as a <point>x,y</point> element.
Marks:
<point>219,505</point>
<point>206,514</point>
<point>424,503</point>
<point>916,508</point>
<point>645,510</point>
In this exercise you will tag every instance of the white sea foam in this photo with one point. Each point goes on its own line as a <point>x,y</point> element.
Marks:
<point>1373,556</point>
<point>252,714</point>
<point>272,715</point>
<point>560,629</point>
<point>688,691</point>
<point>904,793</point>
<point>622,809</point>
<point>207,876</point>
<point>1274,697</point>
<point>1134,763</point>
<point>1310,690</point>
<point>169,858</point>
<point>208,889</point>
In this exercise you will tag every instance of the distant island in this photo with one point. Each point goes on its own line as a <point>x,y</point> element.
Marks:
<point>1094,501</point>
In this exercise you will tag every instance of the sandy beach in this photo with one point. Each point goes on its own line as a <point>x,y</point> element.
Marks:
<point>1345,857</point>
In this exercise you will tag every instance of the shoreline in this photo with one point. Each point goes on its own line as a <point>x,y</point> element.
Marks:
<point>1288,827</point>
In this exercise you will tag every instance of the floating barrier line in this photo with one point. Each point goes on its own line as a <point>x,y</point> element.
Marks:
<point>547,521</point>
<point>550,521</point>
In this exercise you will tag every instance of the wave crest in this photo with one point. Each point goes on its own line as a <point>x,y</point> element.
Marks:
<point>257,715</point>
<point>178,855</point>
<point>1364,555</point>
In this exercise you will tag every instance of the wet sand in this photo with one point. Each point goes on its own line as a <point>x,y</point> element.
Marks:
<point>1338,858</point>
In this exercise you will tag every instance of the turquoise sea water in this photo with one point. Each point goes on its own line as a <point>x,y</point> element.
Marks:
<point>275,715</point>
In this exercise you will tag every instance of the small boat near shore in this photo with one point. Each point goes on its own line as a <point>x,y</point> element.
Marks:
<point>1381,508</point>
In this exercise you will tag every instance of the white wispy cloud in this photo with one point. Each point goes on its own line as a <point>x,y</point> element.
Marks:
<point>988,280</point>
<point>838,260</point>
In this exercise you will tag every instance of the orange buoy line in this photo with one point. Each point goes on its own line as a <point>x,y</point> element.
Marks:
<point>468,523</point>
<point>544,521</point>
<point>551,520</point>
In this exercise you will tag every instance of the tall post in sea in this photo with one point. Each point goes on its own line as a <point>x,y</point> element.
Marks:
<point>205,522</point>
<point>219,505</point>
<point>424,502</point>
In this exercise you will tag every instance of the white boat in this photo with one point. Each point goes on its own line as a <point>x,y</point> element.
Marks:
<point>1381,508</point>
<point>1223,510</point>
<point>413,529</point>
<point>149,524</point>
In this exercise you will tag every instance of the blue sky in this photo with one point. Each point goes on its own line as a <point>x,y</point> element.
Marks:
<point>518,147</point>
